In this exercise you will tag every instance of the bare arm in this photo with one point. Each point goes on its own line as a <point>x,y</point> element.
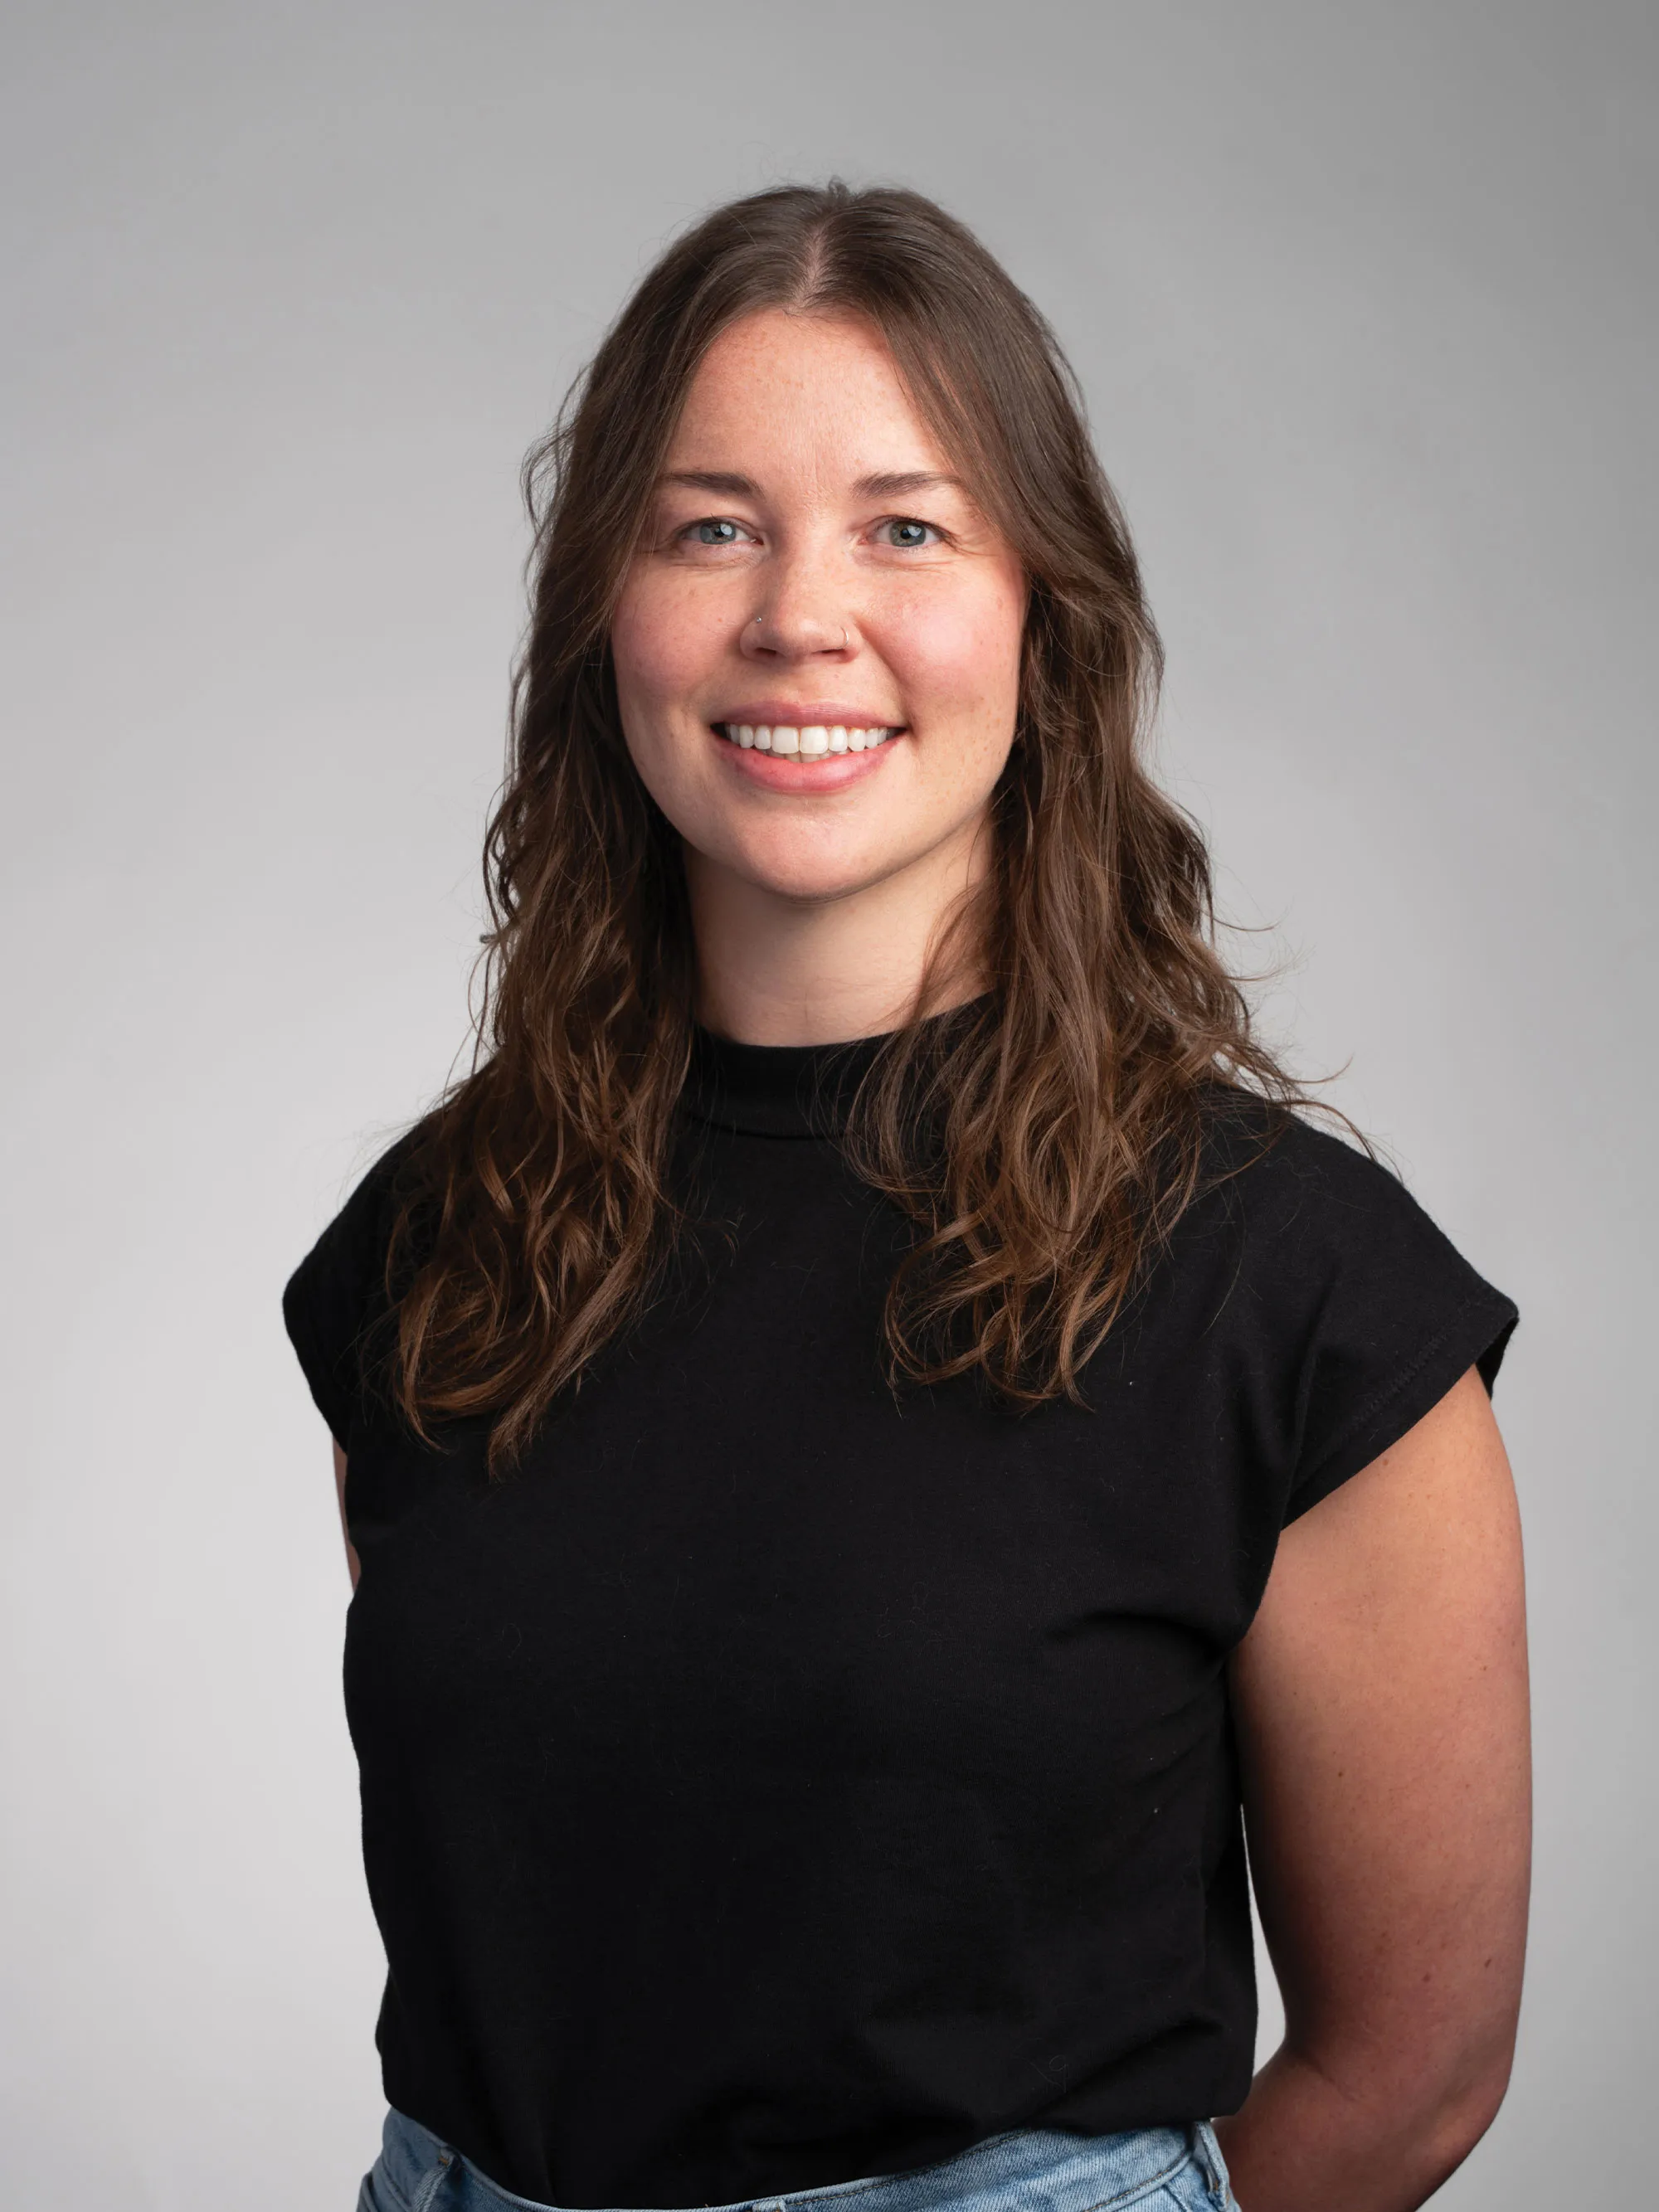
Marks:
<point>1381,1700</point>
<point>352,1563</point>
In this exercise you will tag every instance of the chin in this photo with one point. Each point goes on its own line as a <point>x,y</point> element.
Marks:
<point>806,869</point>
<point>811,881</point>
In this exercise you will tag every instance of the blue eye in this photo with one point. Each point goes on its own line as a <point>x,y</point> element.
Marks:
<point>716,533</point>
<point>909,535</point>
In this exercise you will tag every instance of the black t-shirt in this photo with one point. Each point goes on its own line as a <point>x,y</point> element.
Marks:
<point>775,1782</point>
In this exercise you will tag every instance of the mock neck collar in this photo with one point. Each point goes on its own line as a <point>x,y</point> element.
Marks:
<point>784,1090</point>
<point>776,1090</point>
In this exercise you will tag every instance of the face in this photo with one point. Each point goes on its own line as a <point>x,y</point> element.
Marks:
<point>817,647</point>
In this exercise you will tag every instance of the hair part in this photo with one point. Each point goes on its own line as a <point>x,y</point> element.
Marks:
<point>1044,1145</point>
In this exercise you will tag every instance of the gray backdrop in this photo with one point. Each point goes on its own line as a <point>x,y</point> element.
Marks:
<point>1362,297</point>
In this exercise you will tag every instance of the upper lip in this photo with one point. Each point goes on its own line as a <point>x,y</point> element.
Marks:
<point>816,713</point>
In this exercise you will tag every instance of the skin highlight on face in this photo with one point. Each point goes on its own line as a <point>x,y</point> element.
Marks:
<point>814,564</point>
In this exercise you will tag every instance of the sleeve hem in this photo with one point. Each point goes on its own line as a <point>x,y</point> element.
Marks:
<point>314,1366</point>
<point>1477,1335</point>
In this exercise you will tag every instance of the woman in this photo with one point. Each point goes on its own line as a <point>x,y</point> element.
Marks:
<point>877,1437</point>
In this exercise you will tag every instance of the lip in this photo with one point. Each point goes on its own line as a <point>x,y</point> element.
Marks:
<point>798,715</point>
<point>787,772</point>
<point>821,773</point>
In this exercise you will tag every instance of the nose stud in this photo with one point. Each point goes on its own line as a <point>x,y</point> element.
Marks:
<point>845,634</point>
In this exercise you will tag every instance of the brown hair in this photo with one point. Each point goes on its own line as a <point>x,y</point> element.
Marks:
<point>1045,1140</point>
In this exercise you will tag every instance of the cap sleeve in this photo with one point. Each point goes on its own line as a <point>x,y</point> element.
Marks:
<point>337,1293</point>
<point>1397,1313</point>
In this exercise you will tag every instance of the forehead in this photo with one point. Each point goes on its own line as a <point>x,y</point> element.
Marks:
<point>802,387</point>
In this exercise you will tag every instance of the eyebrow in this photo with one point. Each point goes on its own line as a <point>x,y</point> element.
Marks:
<point>895,486</point>
<point>735,487</point>
<point>888,485</point>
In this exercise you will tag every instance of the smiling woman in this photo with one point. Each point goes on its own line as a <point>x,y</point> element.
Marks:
<point>871,654</point>
<point>784,1768</point>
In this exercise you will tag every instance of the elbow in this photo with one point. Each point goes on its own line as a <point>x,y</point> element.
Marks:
<point>1469,2102</point>
<point>1442,2107</point>
<point>1419,2107</point>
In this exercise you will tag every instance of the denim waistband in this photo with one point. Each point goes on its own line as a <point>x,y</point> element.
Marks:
<point>1052,2172</point>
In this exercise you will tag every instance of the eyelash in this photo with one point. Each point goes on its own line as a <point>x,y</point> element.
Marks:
<point>888,522</point>
<point>910,522</point>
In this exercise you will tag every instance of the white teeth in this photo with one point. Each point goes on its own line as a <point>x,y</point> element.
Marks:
<point>810,743</point>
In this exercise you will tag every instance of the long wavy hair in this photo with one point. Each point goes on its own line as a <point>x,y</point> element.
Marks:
<point>1043,1142</point>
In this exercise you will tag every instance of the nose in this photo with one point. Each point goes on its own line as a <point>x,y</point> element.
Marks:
<point>800,616</point>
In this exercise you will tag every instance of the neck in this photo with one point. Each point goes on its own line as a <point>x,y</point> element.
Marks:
<point>774,969</point>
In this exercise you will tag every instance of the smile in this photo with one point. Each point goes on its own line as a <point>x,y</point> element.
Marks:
<point>810,741</point>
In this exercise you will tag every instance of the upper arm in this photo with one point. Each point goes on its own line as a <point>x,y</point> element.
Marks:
<point>1381,1707</point>
<point>353,1565</point>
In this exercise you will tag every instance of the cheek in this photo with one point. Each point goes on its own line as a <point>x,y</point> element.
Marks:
<point>661,643</point>
<point>959,655</point>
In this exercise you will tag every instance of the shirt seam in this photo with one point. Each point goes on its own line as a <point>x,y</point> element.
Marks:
<point>1383,1397</point>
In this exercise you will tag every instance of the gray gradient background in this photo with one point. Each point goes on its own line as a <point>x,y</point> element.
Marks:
<point>1364,301</point>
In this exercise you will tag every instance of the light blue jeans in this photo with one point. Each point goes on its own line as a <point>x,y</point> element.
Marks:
<point>1037,2170</point>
